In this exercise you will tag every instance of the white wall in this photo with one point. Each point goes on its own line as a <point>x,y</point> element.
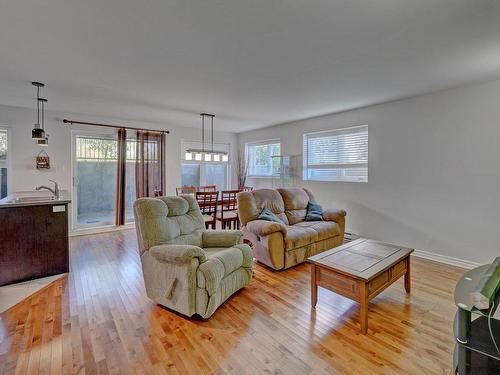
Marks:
<point>434,171</point>
<point>24,176</point>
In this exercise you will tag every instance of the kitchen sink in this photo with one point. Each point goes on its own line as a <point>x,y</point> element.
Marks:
<point>33,199</point>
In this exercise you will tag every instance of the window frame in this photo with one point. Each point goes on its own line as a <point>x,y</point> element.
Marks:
<point>261,143</point>
<point>306,167</point>
<point>8,163</point>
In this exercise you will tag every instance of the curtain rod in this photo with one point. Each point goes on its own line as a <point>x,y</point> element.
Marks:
<point>71,122</point>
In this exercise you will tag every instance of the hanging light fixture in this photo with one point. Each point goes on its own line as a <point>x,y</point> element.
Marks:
<point>206,154</point>
<point>45,140</point>
<point>38,132</point>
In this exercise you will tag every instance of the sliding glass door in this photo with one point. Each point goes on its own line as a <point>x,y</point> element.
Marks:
<point>110,171</point>
<point>94,180</point>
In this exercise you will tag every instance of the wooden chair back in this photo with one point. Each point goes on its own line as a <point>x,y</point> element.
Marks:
<point>185,190</point>
<point>228,200</point>
<point>208,201</point>
<point>207,188</point>
<point>229,210</point>
<point>246,188</point>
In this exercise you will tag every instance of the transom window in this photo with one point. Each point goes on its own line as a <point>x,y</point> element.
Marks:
<point>337,155</point>
<point>260,158</point>
<point>201,172</point>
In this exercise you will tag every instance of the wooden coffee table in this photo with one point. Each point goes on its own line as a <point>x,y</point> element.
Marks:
<point>359,270</point>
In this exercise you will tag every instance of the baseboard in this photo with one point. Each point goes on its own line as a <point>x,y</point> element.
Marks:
<point>99,230</point>
<point>446,259</point>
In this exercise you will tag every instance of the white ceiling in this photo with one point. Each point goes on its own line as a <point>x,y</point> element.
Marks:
<point>254,63</point>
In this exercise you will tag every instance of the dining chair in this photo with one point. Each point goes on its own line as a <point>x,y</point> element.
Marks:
<point>246,188</point>
<point>207,188</point>
<point>228,213</point>
<point>185,190</point>
<point>207,200</point>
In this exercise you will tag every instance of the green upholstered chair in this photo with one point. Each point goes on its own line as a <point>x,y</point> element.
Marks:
<point>187,268</point>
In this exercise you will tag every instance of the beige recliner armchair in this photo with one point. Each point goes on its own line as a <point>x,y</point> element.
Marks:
<point>187,268</point>
<point>282,245</point>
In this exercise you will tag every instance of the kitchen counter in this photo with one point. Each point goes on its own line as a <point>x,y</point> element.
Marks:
<point>33,198</point>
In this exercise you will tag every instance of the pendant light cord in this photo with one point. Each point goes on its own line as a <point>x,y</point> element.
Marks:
<point>38,106</point>
<point>203,132</point>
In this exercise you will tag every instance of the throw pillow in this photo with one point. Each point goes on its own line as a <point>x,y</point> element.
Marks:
<point>314,212</point>
<point>268,215</point>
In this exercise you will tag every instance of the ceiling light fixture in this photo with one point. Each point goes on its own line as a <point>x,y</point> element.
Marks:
<point>206,154</point>
<point>38,132</point>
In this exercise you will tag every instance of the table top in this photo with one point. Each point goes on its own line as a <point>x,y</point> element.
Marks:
<point>467,284</point>
<point>362,259</point>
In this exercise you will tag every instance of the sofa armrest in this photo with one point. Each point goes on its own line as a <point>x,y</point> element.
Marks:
<point>180,254</point>
<point>333,214</point>
<point>222,238</point>
<point>263,228</point>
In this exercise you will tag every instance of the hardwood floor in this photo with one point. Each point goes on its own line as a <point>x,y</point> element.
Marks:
<point>99,320</point>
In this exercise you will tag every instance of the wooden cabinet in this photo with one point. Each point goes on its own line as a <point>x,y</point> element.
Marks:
<point>33,242</point>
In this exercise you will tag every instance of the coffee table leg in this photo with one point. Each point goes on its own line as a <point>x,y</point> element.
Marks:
<point>363,307</point>
<point>408,276</point>
<point>314,287</point>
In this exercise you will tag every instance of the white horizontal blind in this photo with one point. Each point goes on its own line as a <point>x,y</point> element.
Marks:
<point>260,157</point>
<point>337,155</point>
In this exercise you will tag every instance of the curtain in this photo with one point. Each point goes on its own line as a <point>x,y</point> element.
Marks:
<point>150,164</point>
<point>121,177</point>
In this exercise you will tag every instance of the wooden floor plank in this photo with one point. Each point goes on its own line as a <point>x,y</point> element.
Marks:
<point>98,320</point>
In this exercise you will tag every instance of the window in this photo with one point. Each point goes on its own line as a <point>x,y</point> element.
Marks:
<point>260,158</point>
<point>337,155</point>
<point>95,160</point>
<point>200,173</point>
<point>3,163</point>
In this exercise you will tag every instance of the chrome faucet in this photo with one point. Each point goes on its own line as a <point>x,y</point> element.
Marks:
<point>55,191</point>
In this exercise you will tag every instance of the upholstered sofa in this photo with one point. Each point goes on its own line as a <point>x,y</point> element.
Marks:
<point>187,268</point>
<point>292,241</point>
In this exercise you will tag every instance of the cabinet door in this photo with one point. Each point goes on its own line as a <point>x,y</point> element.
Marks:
<point>51,241</point>
<point>17,228</point>
<point>33,243</point>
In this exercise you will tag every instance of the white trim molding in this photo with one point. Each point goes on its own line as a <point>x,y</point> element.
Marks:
<point>467,264</point>
<point>100,230</point>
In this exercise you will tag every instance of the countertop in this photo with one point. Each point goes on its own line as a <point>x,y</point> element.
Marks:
<point>33,198</point>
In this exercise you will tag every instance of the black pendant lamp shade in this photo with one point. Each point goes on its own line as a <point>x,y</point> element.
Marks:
<point>38,131</point>
<point>43,142</point>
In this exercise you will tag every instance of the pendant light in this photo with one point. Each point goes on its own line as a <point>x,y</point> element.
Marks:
<point>45,140</point>
<point>206,154</point>
<point>38,132</point>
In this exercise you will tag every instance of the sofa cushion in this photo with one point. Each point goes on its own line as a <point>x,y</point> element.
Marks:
<point>295,201</point>
<point>324,229</point>
<point>250,204</point>
<point>166,219</point>
<point>220,263</point>
<point>270,199</point>
<point>297,236</point>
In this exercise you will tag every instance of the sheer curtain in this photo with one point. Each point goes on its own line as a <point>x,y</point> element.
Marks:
<point>150,164</point>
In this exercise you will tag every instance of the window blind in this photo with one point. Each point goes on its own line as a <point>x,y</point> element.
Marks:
<point>337,155</point>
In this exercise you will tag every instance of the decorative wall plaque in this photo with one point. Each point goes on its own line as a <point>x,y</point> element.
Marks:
<point>42,160</point>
